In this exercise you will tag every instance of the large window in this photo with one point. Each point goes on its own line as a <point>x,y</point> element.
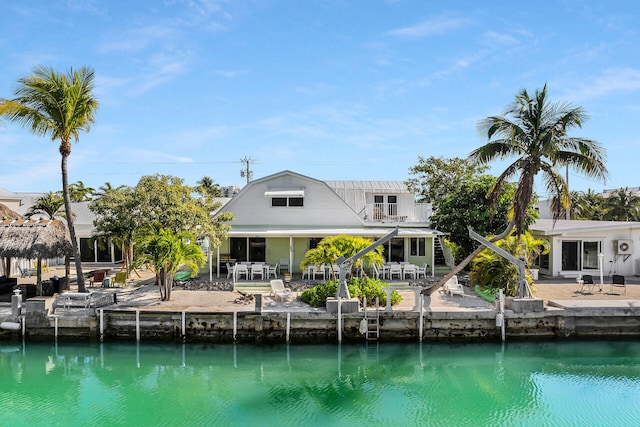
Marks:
<point>394,250</point>
<point>418,246</point>
<point>252,249</point>
<point>580,255</point>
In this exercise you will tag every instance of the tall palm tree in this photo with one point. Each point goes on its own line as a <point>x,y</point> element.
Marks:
<point>59,105</point>
<point>535,133</point>
<point>208,188</point>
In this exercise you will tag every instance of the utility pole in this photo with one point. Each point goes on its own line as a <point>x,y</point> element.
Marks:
<point>246,172</point>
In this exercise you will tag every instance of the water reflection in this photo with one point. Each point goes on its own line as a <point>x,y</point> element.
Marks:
<point>398,384</point>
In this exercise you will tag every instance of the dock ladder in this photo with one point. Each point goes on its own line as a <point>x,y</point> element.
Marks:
<point>372,332</point>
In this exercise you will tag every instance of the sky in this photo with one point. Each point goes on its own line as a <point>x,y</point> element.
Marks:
<point>331,89</point>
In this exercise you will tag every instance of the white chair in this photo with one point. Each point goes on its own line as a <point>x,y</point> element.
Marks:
<point>230,269</point>
<point>272,271</point>
<point>279,291</point>
<point>239,270</point>
<point>421,272</point>
<point>409,270</point>
<point>319,271</point>
<point>452,287</point>
<point>257,270</point>
<point>395,270</point>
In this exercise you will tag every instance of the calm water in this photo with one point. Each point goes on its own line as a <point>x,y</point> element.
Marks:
<point>589,383</point>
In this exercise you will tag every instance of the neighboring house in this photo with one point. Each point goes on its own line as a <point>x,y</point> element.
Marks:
<point>575,246</point>
<point>280,217</point>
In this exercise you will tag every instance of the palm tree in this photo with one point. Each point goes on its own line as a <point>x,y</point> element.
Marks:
<point>535,133</point>
<point>50,205</point>
<point>208,188</point>
<point>623,205</point>
<point>60,106</point>
<point>167,251</point>
<point>80,193</point>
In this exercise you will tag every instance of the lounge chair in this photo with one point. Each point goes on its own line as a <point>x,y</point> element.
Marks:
<point>279,291</point>
<point>618,280</point>
<point>452,287</point>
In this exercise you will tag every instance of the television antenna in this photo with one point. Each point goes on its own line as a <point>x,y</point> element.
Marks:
<point>247,172</point>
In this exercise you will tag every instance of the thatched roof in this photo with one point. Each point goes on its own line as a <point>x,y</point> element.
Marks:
<point>6,213</point>
<point>33,239</point>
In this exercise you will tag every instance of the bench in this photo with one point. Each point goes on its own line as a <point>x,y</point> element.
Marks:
<point>86,300</point>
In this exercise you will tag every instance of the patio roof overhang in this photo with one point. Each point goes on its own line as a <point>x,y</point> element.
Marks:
<point>323,232</point>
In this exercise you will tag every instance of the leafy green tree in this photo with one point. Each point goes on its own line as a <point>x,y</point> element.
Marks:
<point>80,193</point>
<point>622,205</point>
<point>468,206</point>
<point>50,205</point>
<point>115,218</point>
<point>332,247</point>
<point>167,252</point>
<point>493,272</point>
<point>61,106</point>
<point>166,201</point>
<point>437,177</point>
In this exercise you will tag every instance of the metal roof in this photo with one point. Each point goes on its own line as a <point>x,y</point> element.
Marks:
<point>371,186</point>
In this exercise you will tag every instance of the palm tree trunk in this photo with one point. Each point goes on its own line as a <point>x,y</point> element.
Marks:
<point>456,269</point>
<point>72,231</point>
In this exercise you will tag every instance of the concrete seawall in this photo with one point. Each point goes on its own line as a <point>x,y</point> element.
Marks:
<point>558,321</point>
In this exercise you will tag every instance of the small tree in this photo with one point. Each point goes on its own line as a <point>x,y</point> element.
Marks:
<point>50,205</point>
<point>330,248</point>
<point>492,272</point>
<point>167,252</point>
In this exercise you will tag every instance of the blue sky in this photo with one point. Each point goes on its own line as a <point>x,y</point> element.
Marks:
<point>332,89</point>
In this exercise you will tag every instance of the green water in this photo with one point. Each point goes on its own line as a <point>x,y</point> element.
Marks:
<point>541,384</point>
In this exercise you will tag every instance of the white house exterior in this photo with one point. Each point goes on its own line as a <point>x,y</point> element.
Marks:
<point>576,245</point>
<point>280,217</point>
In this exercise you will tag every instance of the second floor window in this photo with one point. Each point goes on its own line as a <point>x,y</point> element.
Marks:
<point>287,201</point>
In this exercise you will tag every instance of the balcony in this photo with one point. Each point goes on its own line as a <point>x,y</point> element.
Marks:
<point>395,213</point>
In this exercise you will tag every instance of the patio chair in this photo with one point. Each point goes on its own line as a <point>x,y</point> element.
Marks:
<point>283,264</point>
<point>279,292</point>
<point>24,272</point>
<point>395,270</point>
<point>239,270</point>
<point>273,271</point>
<point>452,287</point>
<point>257,270</point>
<point>618,281</point>
<point>98,277</point>
<point>121,278</point>
<point>409,270</point>
<point>587,283</point>
<point>229,270</point>
<point>421,272</point>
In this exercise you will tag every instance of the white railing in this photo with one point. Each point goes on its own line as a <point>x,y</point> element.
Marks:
<point>394,212</point>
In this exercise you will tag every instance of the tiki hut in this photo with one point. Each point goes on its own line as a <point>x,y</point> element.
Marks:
<point>6,213</point>
<point>34,239</point>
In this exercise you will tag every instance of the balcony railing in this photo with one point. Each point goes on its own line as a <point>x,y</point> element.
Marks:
<point>394,212</point>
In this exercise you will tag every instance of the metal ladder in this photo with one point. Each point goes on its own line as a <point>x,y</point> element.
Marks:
<point>373,323</point>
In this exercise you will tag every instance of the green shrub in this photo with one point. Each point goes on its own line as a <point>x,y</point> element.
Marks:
<point>358,288</point>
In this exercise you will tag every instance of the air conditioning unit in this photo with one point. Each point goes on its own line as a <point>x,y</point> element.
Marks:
<point>625,247</point>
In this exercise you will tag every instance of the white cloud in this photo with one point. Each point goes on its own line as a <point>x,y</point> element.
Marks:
<point>609,82</point>
<point>430,27</point>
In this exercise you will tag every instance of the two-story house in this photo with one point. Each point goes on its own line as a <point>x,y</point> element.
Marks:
<point>280,217</point>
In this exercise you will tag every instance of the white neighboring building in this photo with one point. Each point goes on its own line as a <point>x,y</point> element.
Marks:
<point>575,246</point>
